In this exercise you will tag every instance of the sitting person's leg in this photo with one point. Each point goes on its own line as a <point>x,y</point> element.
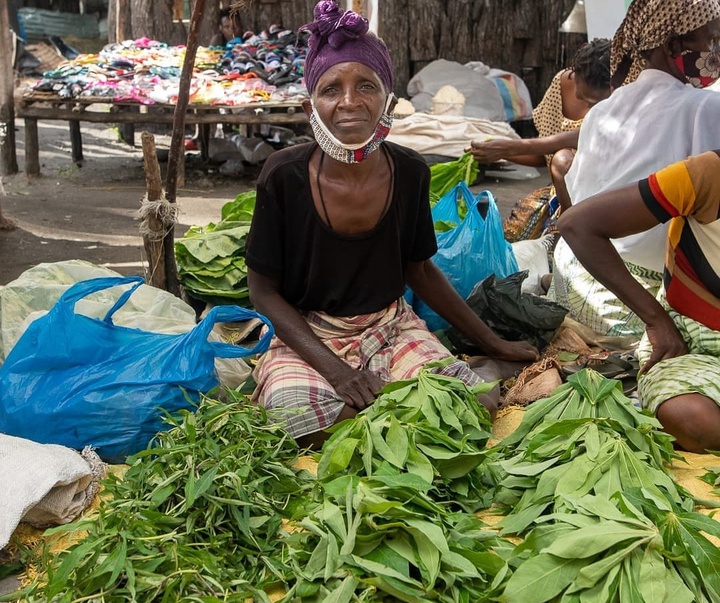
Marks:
<point>694,420</point>
<point>559,167</point>
<point>286,383</point>
<point>415,346</point>
<point>684,392</point>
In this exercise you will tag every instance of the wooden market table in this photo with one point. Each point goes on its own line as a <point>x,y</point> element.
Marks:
<point>45,106</point>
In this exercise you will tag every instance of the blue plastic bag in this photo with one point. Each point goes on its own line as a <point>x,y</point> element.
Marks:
<point>80,381</point>
<point>471,251</point>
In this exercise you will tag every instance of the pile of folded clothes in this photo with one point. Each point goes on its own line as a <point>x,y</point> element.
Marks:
<point>265,67</point>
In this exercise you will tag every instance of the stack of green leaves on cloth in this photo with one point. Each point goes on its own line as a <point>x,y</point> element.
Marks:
<point>195,518</point>
<point>431,426</point>
<point>444,176</point>
<point>211,259</point>
<point>584,479</point>
<point>391,485</point>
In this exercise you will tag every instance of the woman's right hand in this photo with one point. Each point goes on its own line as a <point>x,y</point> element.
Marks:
<point>491,151</point>
<point>666,341</point>
<point>358,389</point>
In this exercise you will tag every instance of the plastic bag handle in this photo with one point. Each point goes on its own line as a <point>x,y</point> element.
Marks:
<point>233,314</point>
<point>78,291</point>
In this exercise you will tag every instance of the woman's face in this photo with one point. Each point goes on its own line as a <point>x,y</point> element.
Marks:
<point>226,28</point>
<point>349,99</point>
<point>696,55</point>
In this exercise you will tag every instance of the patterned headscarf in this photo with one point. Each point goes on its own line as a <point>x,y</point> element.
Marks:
<point>647,25</point>
<point>342,37</point>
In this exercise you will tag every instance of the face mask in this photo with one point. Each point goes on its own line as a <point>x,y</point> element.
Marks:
<point>701,69</point>
<point>352,153</point>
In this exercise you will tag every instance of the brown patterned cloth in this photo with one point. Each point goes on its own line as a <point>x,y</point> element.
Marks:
<point>647,25</point>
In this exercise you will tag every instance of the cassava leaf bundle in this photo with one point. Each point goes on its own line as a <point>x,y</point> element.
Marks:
<point>211,259</point>
<point>382,538</point>
<point>431,426</point>
<point>603,521</point>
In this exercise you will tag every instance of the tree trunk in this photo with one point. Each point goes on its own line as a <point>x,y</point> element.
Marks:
<point>8,156</point>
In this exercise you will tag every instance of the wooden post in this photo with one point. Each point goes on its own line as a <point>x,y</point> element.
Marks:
<point>32,147</point>
<point>154,230</point>
<point>177,144</point>
<point>120,20</point>
<point>76,143</point>
<point>8,156</point>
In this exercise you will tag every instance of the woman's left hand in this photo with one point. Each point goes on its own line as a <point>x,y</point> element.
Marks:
<point>513,350</point>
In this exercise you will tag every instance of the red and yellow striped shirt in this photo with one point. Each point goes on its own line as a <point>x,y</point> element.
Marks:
<point>688,194</point>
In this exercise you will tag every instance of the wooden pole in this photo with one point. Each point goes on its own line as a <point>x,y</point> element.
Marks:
<point>8,156</point>
<point>177,144</point>
<point>120,20</point>
<point>154,228</point>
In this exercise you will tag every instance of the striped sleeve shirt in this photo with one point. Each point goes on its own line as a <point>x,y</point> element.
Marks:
<point>687,194</point>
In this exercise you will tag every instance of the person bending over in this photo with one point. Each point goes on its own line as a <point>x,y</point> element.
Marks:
<point>557,118</point>
<point>341,226</point>
<point>680,351</point>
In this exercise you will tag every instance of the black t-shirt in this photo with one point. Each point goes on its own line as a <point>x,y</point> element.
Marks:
<point>322,270</point>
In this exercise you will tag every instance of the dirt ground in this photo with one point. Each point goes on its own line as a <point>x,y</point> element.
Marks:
<point>90,212</point>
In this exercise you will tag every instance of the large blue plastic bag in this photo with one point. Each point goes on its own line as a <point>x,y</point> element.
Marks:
<point>80,381</point>
<point>472,250</point>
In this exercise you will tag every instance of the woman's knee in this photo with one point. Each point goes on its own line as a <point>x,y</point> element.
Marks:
<point>694,420</point>
<point>561,162</point>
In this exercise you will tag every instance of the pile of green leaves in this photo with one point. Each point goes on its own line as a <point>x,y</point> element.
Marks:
<point>389,483</point>
<point>382,538</point>
<point>444,176</point>
<point>622,549</point>
<point>431,426</point>
<point>211,259</point>
<point>584,480</point>
<point>195,518</point>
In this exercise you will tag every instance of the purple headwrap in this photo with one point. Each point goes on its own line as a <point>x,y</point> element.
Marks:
<point>342,37</point>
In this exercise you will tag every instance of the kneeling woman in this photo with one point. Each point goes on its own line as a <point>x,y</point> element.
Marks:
<point>341,226</point>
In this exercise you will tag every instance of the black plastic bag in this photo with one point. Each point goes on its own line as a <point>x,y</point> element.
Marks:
<point>513,315</point>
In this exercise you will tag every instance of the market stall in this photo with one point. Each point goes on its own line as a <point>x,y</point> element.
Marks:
<point>254,80</point>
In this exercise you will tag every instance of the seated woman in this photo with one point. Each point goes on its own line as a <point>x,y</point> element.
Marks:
<point>229,28</point>
<point>557,118</point>
<point>680,378</point>
<point>653,118</point>
<point>341,226</point>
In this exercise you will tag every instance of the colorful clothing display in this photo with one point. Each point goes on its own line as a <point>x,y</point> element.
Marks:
<point>393,343</point>
<point>260,68</point>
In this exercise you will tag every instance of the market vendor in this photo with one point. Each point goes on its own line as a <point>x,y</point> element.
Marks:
<point>229,28</point>
<point>557,118</point>
<point>663,54</point>
<point>680,378</point>
<point>341,226</point>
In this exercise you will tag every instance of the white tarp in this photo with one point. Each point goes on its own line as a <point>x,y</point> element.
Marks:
<point>447,135</point>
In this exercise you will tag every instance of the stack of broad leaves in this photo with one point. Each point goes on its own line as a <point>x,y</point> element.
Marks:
<point>585,481</point>
<point>626,549</point>
<point>431,426</point>
<point>385,529</point>
<point>211,259</point>
<point>195,518</point>
<point>382,538</point>
<point>444,176</point>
